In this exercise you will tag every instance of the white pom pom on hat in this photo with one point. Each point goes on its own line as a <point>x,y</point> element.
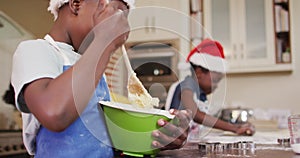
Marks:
<point>54,5</point>
<point>210,55</point>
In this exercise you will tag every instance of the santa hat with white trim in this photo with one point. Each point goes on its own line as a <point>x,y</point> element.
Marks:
<point>208,54</point>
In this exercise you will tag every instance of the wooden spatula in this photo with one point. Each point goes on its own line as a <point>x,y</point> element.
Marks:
<point>137,93</point>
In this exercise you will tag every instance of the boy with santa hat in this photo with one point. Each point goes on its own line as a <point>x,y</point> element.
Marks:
<point>208,66</point>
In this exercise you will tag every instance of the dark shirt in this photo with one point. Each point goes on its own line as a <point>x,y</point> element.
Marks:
<point>188,83</point>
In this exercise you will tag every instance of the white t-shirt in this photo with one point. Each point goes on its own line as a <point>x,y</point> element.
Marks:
<point>35,59</point>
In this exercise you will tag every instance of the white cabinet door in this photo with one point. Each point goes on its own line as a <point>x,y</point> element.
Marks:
<point>158,20</point>
<point>245,28</point>
<point>258,42</point>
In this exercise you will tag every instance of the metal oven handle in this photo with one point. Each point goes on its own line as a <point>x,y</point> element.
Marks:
<point>151,54</point>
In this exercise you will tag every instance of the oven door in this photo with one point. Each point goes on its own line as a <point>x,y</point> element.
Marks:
<point>156,67</point>
<point>154,63</point>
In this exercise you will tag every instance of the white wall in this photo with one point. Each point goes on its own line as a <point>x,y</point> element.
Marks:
<point>36,19</point>
<point>270,90</point>
<point>6,110</point>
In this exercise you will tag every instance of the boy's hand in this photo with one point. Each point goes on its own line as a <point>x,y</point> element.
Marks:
<point>111,23</point>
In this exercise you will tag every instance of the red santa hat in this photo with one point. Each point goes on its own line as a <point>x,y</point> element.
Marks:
<point>208,54</point>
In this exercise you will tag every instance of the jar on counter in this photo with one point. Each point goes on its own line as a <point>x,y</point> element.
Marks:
<point>294,128</point>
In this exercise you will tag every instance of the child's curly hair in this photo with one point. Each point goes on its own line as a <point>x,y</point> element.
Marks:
<point>9,96</point>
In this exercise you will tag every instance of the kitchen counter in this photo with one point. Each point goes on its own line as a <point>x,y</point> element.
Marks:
<point>265,146</point>
<point>191,150</point>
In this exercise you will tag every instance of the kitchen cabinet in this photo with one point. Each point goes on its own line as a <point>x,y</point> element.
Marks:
<point>246,30</point>
<point>161,21</point>
<point>154,20</point>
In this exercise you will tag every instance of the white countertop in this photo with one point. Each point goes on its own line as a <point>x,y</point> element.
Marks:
<point>260,136</point>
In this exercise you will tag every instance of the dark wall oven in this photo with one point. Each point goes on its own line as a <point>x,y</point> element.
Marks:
<point>156,66</point>
<point>11,144</point>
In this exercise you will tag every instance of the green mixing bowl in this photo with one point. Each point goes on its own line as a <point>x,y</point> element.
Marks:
<point>130,128</point>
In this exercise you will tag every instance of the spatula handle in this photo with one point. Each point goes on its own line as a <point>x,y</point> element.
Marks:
<point>126,59</point>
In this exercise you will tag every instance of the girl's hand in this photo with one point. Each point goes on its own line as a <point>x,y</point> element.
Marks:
<point>172,135</point>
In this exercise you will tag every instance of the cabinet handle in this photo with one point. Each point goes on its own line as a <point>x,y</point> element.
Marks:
<point>234,51</point>
<point>147,24</point>
<point>234,56</point>
<point>242,56</point>
<point>153,24</point>
<point>242,50</point>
